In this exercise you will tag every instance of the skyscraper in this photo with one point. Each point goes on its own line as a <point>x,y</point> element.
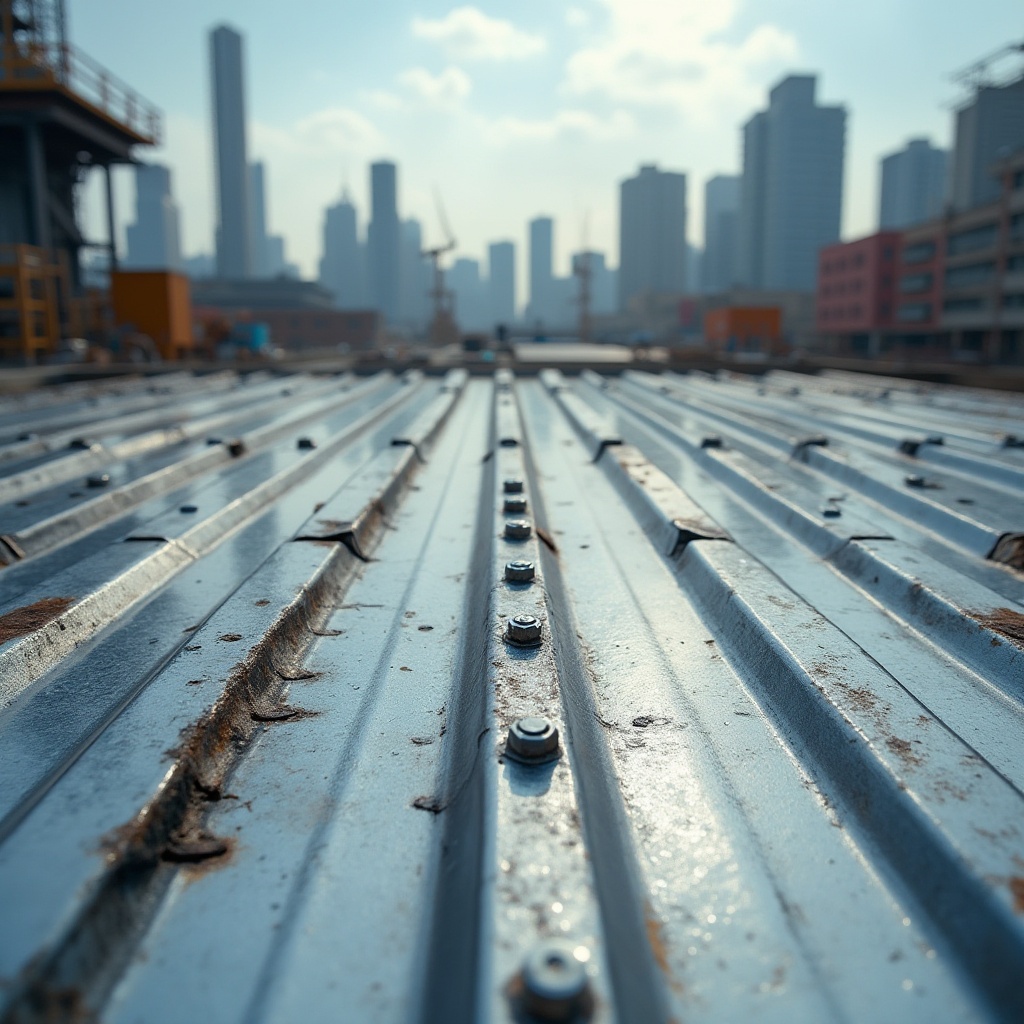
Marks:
<point>991,125</point>
<point>258,201</point>
<point>470,296</point>
<point>414,274</point>
<point>234,216</point>
<point>913,185</point>
<point>342,267</point>
<point>721,211</point>
<point>652,234</point>
<point>791,196</point>
<point>382,241</point>
<point>153,239</point>
<point>603,298</point>
<point>501,273</point>
<point>542,241</point>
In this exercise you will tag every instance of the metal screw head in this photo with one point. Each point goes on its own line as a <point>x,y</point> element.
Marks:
<point>513,485</point>
<point>533,740</point>
<point>80,443</point>
<point>517,529</point>
<point>520,571</point>
<point>523,630</point>
<point>831,512</point>
<point>713,441</point>
<point>515,504</point>
<point>555,983</point>
<point>98,480</point>
<point>214,440</point>
<point>509,442</point>
<point>306,442</point>
<point>914,480</point>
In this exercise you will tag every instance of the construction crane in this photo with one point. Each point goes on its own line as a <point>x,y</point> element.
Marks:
<point>978,74</point>
<point>443,330</point>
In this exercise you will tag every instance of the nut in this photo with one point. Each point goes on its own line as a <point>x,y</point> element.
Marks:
<point>711,441</point>
<point>98,480</point>
<point>515,504</point>
<point>520,571</point>
<point>189,509</point>
<point>513,485</point>
<point>533,740</point>
<point>831,512</point>
<point>914,480</point>
<point>523,630</point>
<point>555,983</point>
<point>306,443</point>
<point>517,529</point>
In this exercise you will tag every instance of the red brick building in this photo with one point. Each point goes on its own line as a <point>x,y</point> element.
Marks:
<point>857,292</point>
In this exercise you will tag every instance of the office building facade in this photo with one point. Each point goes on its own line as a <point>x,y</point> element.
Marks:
<point>652,234</point>
<point>342,266</point>
<point>914,184</point>
<point>154,241</point>
<point>792,190</point>
<point>542,244</point>
<point>383,241</point>
<point>721,214</point>
<point>501,281</point>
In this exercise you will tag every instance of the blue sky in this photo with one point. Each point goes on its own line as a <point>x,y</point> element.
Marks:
<point>511,110</point>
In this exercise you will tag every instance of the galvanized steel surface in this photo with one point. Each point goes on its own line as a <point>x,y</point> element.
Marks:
<point>755,646</point>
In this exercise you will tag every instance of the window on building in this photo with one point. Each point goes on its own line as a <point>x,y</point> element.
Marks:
<point>919,253</point>
<point>915,312</point>
<point>973,240</point>
<point>916,283</point>
<point>1013,301</point>
<point>964,305</point>
<point>1015,263</point>
<point>1017,227</point>
<point>971,275</point>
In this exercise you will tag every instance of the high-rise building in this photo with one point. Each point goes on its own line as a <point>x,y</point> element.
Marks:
<point>414,273</point>
<point>258,201</point>
<point>470,295</point>
<point>501,281</point>
<point>652,234</point>
<point>154,241</point>
<point>791,195</point>
<point>383,240</point>
<point>721,212</point>
<point>989,127</point>
<point>234,210</point>
<point>913,185</point>
<point>343,266</point>
<point>542,243</point>
<point>603,297</point>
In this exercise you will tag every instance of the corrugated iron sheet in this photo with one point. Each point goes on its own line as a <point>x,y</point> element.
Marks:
<point>256,686</point>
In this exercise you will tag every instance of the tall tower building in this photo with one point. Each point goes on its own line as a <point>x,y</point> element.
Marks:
<point>792,192</point>
<point>991,125</point>
<point>652,234</point>
<point>154,241</point>
<point>721,212</point>
<point>414,273</point>
<point>470,296</point>
<point>258,200</point>
<point>382,242</point>
<point>913,185</point>
<point>342,267</point>
<point>501,281</point>
<point>542,243</point>
<point>234,211</point>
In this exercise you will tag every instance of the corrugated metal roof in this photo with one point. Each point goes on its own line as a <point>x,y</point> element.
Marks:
<point>257,682</point>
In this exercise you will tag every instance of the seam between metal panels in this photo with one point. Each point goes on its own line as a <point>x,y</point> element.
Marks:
<point>638,987</point>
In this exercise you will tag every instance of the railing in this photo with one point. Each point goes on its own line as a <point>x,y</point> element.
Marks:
<point>33,65</point>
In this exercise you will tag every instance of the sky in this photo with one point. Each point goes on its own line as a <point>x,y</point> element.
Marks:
<point>509,111</point>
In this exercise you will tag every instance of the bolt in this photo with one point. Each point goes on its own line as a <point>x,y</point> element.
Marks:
<point>517,529</point>
<point>533,740</point>
<point>515,504</point>
<point>508,442</point>
<point>914,480</point>
<point>214,440</point>
<point>80,443</point>
<point>831,512</point>
<point>555,983</point>
<point>520,571</point>
<point>523,631</point>
<point>306,443</point>
<point>711,442</point>
<point>513,485</point>
<point>98,480</point>
<point>189,508</point>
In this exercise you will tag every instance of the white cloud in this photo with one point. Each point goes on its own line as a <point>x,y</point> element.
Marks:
<point>469,34</point>
<point>577,17</point>
<point>672,54</point>
<point>447,89</point>
<point>580,124</point>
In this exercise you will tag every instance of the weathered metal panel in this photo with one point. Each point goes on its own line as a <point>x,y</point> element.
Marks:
<point>262,642</point>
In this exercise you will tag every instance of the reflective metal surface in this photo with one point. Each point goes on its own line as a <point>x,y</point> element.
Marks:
<point>290,732</point>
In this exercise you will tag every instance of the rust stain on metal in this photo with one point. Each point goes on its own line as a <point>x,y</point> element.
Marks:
<point>428,803</point>
<point>903,750</point>
<point>230,637</point>
<point>1017,888</point>
<point>656,939</point>
<point>546,537</point>
<point>32,617</point>
<point>195,849</point>
<point>1004,621</point>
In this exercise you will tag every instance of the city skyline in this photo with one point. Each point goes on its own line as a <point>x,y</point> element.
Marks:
<point>575,124</point>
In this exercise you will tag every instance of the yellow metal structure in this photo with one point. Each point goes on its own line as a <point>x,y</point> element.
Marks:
<point>33,282</point>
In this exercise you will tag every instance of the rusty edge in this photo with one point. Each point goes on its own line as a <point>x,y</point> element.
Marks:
<point>116,910</point>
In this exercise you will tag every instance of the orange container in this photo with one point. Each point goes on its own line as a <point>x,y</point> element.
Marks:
<point>157,303</point>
